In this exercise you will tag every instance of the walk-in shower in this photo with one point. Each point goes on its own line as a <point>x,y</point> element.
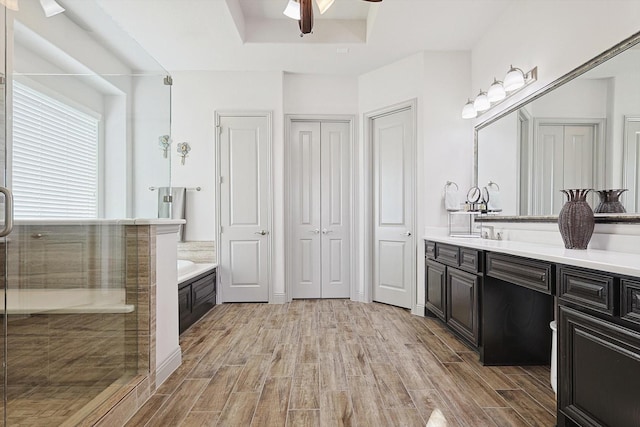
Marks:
<point>82,108</point>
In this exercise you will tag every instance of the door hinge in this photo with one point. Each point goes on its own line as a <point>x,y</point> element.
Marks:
<point>168,81</point>
<point>219,128</point>
<point>221,229</point>
<point>2,80</point>
<point>220,180</point>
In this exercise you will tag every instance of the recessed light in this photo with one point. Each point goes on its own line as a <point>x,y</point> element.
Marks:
<point>342,50</point>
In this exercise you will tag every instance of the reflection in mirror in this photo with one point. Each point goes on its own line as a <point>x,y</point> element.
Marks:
<point>584,133</point>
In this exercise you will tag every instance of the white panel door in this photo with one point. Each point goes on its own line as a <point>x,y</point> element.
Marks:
<point>320,209</point>
<point>244,209</point>
<point>394,242</point>
<point>305,215</point>
<point>335,208</point>
<point>631,199</point>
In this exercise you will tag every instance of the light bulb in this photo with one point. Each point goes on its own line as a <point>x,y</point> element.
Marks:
<point>468,112</point>
<point>514,79</point>
<point>496,91</point>
<point>292,10</point>
<point>481,103</point>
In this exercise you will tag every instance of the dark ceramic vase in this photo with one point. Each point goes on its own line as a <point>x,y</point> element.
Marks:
<point>609,201</point>
<point>576,219</point>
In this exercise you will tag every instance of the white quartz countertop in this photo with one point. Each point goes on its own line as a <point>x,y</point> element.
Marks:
<point>610,261</point>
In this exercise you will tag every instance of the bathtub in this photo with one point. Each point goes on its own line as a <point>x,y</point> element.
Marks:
<point>66,301</point>
<point>189,269</point>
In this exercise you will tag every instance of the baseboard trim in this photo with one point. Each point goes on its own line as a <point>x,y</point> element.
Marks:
<point>418,310</point>
<point>167,367</point>
<point>278,299</point>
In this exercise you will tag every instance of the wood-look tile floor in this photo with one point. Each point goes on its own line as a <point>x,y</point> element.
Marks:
<point>337,362</point>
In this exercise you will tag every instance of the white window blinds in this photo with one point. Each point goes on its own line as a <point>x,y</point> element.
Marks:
<point>55,158</point>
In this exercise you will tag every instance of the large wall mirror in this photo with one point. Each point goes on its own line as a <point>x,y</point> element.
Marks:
<point>582,131</point>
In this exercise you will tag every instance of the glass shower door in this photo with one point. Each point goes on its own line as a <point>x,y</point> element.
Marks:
<point>3,240</point>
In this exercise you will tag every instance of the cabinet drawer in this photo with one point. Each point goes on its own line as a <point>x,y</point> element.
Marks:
<point>447,254</point>
<point>430,250</point>
<point>588,289</point>
<point>469,260</point>
<point>630,301</point>
<point>531,274</point>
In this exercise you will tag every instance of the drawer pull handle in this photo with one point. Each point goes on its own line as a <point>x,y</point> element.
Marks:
<point>543,277</point>
<point>455,255</point>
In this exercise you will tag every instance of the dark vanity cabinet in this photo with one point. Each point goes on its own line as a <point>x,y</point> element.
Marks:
<point>452,285</point>
<point>599,349</point>
<point>196,297</point>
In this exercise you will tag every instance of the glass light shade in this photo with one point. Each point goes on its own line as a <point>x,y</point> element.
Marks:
<point>292,10</point>
<point>51,8</point>
<point>496,91</point>
<point>324,5</point>
<point>468,112</point>
<point>10,4</point>
<point>481,102</point>
<point>514,79</point>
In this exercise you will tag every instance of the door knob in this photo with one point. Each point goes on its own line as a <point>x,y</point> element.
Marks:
<point>325,231</point>
<point>315,231</point>
<point>262,232</point>
<point>406,233</point>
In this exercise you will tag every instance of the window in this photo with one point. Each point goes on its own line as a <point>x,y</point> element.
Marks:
<point>55,158</point>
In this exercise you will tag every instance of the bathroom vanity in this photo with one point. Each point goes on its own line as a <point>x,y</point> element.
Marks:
<point>499,297</point>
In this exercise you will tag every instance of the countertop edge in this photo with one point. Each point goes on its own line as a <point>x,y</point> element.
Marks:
<point>595,259</point>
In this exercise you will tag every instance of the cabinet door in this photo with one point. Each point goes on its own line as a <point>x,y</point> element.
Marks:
<point>599,371</point>
<point>435,289</point>
<point>462,303</point>
<point>184,306</point>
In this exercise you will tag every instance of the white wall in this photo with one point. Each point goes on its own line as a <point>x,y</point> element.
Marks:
<point>320,94</point>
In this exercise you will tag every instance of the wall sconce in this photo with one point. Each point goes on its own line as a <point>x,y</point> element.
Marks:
<point>183,150</point>
<point>165,143</point>
<point>513,82</point>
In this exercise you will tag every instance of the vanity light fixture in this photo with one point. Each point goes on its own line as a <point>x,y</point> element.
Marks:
<point>496,91</point>
<point>499,91</point>
<point>481,102</point>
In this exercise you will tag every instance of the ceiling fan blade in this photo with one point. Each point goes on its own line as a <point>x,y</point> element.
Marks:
<point>306,16</point>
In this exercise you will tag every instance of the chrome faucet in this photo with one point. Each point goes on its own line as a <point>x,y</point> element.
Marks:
<point>491,234</point>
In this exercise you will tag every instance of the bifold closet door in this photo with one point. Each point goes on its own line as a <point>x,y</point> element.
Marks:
<point>320,209</point>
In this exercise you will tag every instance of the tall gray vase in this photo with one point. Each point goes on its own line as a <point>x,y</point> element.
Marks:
<point>576,219</point>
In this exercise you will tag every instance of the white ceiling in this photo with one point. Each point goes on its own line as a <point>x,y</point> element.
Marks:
<point>254,35</point>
